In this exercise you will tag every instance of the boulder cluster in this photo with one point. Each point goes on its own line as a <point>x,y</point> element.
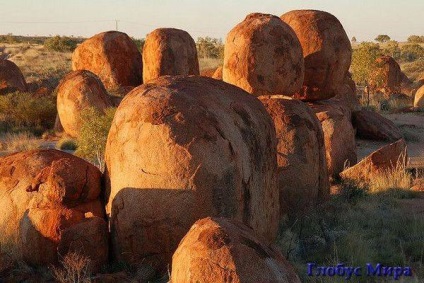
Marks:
<point>199,169</point>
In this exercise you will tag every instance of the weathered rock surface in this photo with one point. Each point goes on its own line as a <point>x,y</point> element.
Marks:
<point>373,126</point>
<point>113,57</point>
<point>346,93</point>
<point>302,168</point>
<point>217,74</point>
<point>263,56</point>
<point>326,49</point>
<point>169,51</point>
<point>388,76</point>
<point>220,250</point>
<point>11,77</point>
<point>379,161</point>
<point>76,92</point>
<point>339,135</point>
<point>186,148</point>
<point>419,98</point>
<point>43,195</point>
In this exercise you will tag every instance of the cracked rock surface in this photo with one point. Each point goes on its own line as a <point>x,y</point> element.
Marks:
<point>181,149</point>
<point>221,250</point>
<point>43,195</point>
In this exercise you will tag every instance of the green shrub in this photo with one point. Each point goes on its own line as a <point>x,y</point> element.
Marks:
<point>21,111</point>
<point>60,43</point>
<point>93,134</point>
<point>67,144</point>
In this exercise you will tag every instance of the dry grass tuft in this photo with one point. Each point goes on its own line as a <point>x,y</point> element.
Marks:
<point>19,142</point>
<point>396,177</point>
<point>75,269</point>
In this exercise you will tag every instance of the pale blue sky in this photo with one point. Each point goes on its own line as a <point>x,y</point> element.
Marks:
<point>361,18</point>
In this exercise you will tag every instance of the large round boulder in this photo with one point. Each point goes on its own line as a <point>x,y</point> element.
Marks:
<point>43,195</point>
<point>387,77</point>
<point>326,49</point>
<point>339,134</point>
<point>76,92</point>
<point>220,250</point>
<point>11,77</point>
<point>183,148</point>
<point>419,98</point>
<point>263,56</point>
<point>113,57</point>
<point>169,51</point>
<point>302,168</point>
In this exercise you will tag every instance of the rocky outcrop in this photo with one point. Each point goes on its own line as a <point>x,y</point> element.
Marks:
<point>373,126</point>
<point>381,160</point>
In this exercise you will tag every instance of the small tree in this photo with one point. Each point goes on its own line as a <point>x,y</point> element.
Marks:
<point>353,40</point>
<point>363,61</point>
<point>382,38</point>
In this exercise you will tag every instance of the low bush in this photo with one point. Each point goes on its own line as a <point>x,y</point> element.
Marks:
<point>19,142</point>
<point>93,134</point>
<point>61,43</point>
<point>21,111</point>
<point>67,144</point>
<point>75,269</point>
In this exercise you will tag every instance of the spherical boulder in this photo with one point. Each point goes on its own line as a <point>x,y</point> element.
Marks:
<point>113,57</point>
<point>263,56</point>
<point>183,148</point>
<point>220,250</point>
<point>11,77</point>
<point>169,51</point>
<point>302,167</point>
<point>419,98</point>
<point>339,134</point>
<point>76,92</point>
<point>43,194</point>
<point>387,78</point>
<point>326,49</point>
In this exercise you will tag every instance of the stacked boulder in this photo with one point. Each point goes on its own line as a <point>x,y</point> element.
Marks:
<point>213,154</point>
<point>76,92</point>
<point>11,77</point>
<point>302,166</point>
<point>113,57</point>
<point>326,49</point>
<point>50,206</point>
<point>264,57</point>
<point>327,54</point>
<point>169,51</point>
